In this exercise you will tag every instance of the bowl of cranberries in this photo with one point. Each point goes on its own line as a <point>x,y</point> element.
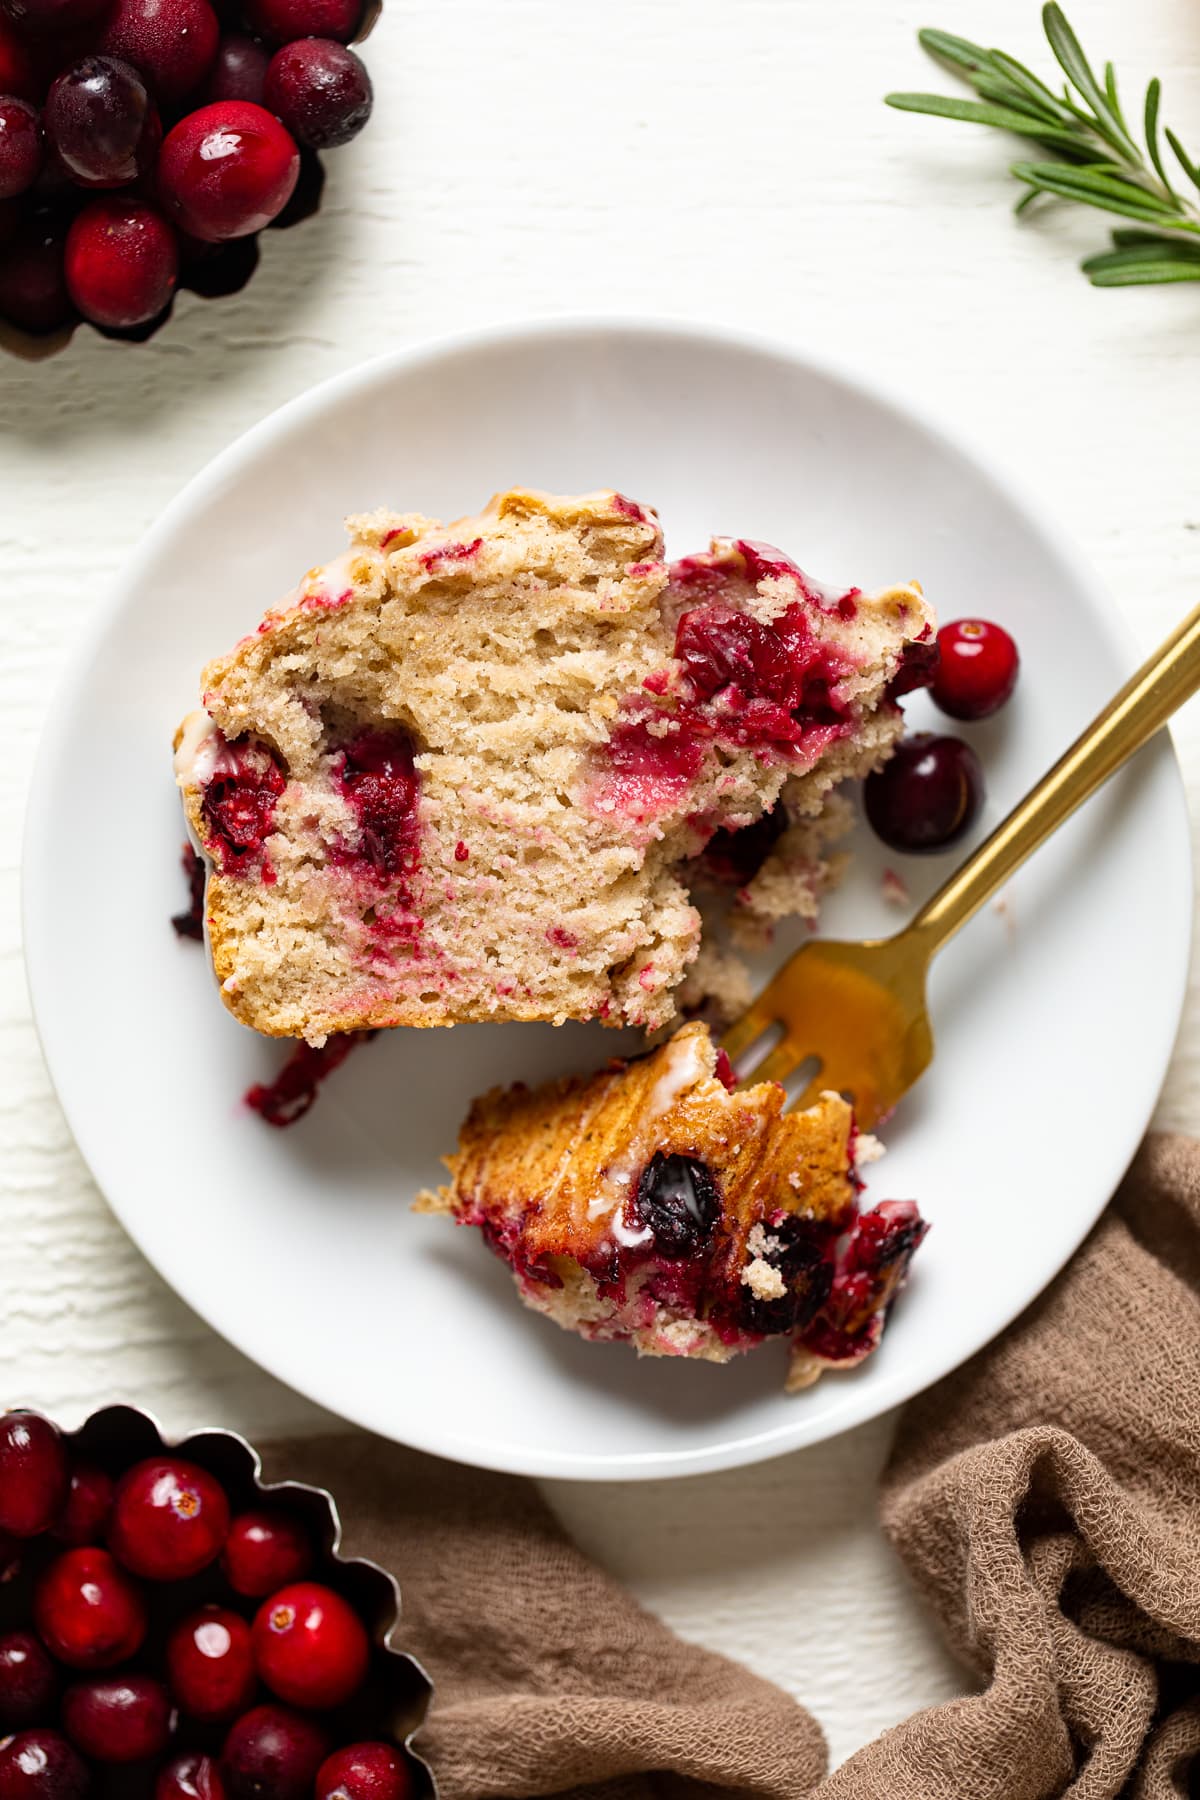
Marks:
<point>172,1628</point>
<point>145,144</point>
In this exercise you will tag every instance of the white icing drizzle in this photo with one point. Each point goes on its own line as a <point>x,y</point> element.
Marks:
<point>683,1068</point>
<point>199,750</point>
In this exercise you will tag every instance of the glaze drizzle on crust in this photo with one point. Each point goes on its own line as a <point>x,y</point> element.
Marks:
<point>650,1203</point>
<point>465,771</point>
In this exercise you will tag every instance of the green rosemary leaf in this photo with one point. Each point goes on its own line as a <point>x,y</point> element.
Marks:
<point>980,112</point>
<point>1002,91</point>
<point>1027,81</point>
<point>1144,274</point>
<point>1185,162</point>
<point>1076,67</point>
<point>1110,91</point>
<point>1027,199</point>
<point>1153,243</point>
<point>961,53</point>
<point>1095,187</point>
<point>1153,96</point>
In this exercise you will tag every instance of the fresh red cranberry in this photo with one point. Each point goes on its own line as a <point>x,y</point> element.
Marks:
<point>190,1777</point>
<point>273,1753</point>
<point>677,1199</point>
<point>978,669</point>
<point>122,262</point>
<point>927,796</point>
<point>41,1765</point>
<point>53,16</point>
<point>310,1645</point>
<point>118,1718</point>
<point>264,1551</point>
<point>370,1771</point>
<point>320,90</point>
<point>28,1683</point>
<point>210,1664</point>
<point>84,1518</point>
<point>33,283</point>
<point>100,121</point>
<point>170,1519</point>
<point>89,1613</point>
<point>227,170</point>
<point>239,70</point>
<point>280,21</point>
<point>17,73</point>
<point>33,1473</point>
<point>20,147</point>
<point>380,780</point>
<point>172,42</point>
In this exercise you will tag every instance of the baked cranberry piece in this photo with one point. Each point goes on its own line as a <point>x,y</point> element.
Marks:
<point>33,284</point>
<point>916,669</point>
<point>118,1718</point>
<point>927,796</point>
<point>320,90</point>
<point>210,1664</point>
<point>310,1645</point>
<point>369,1771</point>
<point>122,262</point>
<point>84,1518</point>
<point>737,856</point>
<point>281,21</point>
<point>41,1765</point>
<point>264,1551</point>
<point>720,647</point>
<point>239,70</point>
<point>272,1753</point>
<point>33,1473</point>
<point>977,671</point>
<point>89,1613</point>
<point>380,780</point>
<point>170,1519</point>
<point>677,1199</point>
<point>227,170</point>
<point>799,1250</point>
<point>20,146</point>
<point>28,1683</point>
<point>190,1777</point>
<point>172,42</point>
<point>101,122</point>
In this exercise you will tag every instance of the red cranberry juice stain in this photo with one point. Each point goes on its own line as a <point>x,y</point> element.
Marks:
<point>292,1093</point>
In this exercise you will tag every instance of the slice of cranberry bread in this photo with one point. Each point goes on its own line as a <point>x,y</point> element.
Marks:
<point>458,773</point>
<point>650,1203</point>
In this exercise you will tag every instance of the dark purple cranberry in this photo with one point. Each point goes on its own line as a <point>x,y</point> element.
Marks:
<point>978,669</point>
<point>264,1551</point>
<point>101,122</point>
<point>88,1611</point>
<point>190,1777</point>
<point>678,1199</point>
<point>33,1473</point>
<point>172,42</point>
<point>54,16</point>
<point>273,1753</point>
<point>280,21</point>
<point>170,1519</point>
<point>17,73</point>
<point>20,146</point>
<point>927,796</point>
<point>310,1645</point>
<point>799,1251</point>
<point>33,282</point>
<point>238,72</point>
<point>210,1664</point>
<point>118,1718</point>
<point>41,1765</point>
<point>369,1771</point>
<point>84,1518</point>
<point>28,1683</point>
<point>737,856</point>
<point>320,91</point>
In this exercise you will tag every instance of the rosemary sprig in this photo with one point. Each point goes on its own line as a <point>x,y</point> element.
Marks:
<point>1097,160</point>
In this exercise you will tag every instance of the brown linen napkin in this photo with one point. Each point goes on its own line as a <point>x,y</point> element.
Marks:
<point>1046,1499</point>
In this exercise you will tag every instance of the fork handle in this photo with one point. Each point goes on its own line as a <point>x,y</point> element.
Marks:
<point>1143,706</point>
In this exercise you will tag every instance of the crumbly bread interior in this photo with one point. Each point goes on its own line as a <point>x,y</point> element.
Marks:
<point>454,776</point>
<point>743,1241</point>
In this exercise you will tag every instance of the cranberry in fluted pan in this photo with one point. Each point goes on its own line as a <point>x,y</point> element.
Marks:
<point>310,1646</point>
<point>210,1664</point>
<point>364,1772</point>
<point>170,1519</point>
<point>189,1777</point>
<point>265,1550</point>
<point>41,1765</point>
<point>28,1683</point>
<point>273,1753</point>
<point>84,1518</point>
<point>33,1473</point>
<point>88,1611</point>
<point>118,1718</point>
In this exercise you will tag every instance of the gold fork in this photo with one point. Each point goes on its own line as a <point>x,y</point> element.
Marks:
<point>859,1008</point>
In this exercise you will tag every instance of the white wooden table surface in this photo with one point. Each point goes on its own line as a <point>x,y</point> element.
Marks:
<point>718,159</point>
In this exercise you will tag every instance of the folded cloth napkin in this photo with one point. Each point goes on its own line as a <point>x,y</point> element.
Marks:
<point>1045,1498</point>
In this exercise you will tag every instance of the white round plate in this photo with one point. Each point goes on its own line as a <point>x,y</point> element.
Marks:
<point>1055,1014</point>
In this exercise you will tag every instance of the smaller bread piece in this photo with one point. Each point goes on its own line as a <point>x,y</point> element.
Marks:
<point>655,1204</point>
